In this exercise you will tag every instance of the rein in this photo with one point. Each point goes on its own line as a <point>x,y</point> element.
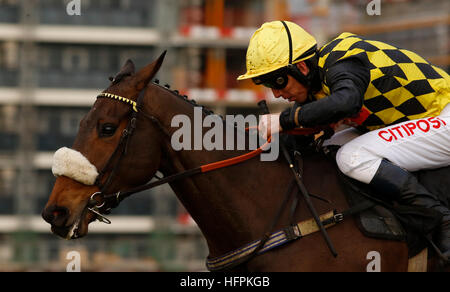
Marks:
<point>110,201</point>
<point>269,240</point>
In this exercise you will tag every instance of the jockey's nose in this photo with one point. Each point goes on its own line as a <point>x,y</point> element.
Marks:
<point>56,215</point>
<point>276,93</point>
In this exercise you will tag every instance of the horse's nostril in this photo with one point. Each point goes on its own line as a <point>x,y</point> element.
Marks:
<point>47,216</point>
<point>56,215</point>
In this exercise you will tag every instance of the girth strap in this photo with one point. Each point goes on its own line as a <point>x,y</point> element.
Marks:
<point>276,239</point>
<point>283,236</point>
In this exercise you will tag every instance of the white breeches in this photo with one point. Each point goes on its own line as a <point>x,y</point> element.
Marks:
<point>412,145</point>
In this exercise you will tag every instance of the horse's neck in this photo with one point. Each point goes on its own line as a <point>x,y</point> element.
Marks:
<point>235,205</point>
<point>231,205</point>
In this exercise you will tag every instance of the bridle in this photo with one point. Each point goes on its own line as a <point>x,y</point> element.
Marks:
<point>120,151</point>
<point>109,201</point>
<point>101,203</point>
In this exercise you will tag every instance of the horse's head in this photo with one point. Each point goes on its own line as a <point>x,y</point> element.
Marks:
<point>104,152</point>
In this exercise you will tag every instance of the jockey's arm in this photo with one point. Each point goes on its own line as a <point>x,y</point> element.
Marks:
<point>348,81</point>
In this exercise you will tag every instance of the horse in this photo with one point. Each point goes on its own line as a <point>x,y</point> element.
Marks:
<point>232,206</point>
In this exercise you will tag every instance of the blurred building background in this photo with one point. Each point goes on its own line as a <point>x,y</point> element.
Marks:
<point>52,66</point>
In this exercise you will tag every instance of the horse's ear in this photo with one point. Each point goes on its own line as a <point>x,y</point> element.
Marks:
<point>127,70</point>
<point>143,77</point>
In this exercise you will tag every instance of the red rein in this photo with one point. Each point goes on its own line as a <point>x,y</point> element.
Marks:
<point>247,156</point>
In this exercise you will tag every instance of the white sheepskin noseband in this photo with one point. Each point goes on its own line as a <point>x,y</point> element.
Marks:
<point>72,164</point>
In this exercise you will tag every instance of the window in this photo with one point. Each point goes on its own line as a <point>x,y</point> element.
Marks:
<point>43,122</point>
<point>9,11</point>
<point>10,55</point>
<point>100,59</point>
<point>7,182</point>
<point>44,58</point>
<point>75,59</point>
<point>8,118</point>
<point>70,121</point>
<point>125,4</point>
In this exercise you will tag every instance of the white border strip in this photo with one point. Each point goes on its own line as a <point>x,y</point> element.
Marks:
<point>81,34</point>
<point>87,97</point>
<point>121,224</point>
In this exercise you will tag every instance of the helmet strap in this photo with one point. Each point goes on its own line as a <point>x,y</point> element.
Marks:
<point>298,75</point>
<point>292,68</point>
<point>290,41</point>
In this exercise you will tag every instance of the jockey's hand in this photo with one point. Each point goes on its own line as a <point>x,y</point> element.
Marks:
<point>269,125</point>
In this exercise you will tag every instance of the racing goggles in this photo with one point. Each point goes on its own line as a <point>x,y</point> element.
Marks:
<point>274,80</point>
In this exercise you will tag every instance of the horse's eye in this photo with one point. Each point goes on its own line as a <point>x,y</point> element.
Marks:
<point>107,130</point>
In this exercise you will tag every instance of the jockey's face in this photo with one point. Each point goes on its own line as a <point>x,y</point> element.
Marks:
<point>294,90</point>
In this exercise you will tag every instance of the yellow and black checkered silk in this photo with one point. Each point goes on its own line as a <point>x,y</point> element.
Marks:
<point>403,86</point>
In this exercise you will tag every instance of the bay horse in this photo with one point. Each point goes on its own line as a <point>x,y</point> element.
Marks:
<point>232,206</point>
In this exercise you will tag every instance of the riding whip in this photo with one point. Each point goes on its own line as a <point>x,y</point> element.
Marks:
<point>263,105</point>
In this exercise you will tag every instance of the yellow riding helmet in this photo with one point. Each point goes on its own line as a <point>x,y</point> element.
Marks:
<point>273,47</point>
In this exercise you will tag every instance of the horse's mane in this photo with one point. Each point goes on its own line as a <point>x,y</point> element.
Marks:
<point>192,102</point>
<point>185,98</point>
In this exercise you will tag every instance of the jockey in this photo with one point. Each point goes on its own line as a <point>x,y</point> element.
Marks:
<point>397,102</point>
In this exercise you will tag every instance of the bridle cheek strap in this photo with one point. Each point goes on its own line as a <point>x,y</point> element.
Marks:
<point>72,164</point>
